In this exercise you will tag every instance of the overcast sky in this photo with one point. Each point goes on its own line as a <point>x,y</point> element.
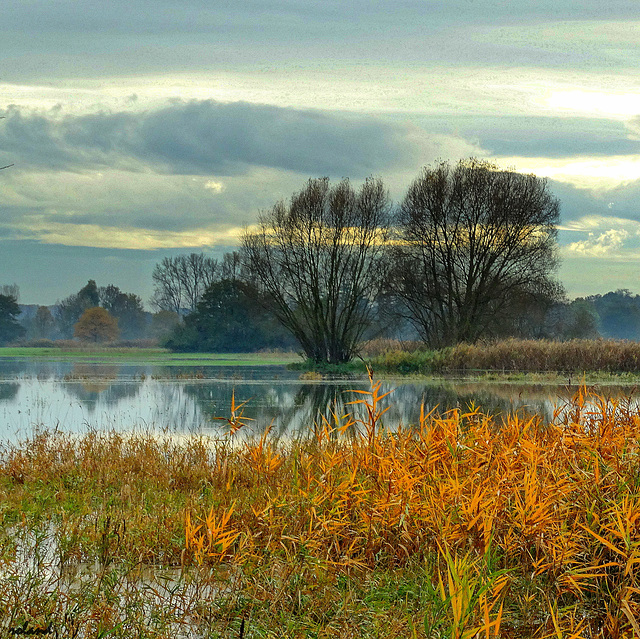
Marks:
<point>140,129</point>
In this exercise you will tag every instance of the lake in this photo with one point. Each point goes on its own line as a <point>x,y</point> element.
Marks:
<point>75,397</point>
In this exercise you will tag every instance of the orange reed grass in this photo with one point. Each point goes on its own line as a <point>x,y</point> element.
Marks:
<point>532,529</point>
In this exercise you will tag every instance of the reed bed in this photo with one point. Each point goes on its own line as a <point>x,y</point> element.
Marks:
<point>515,355</point>
<point>460,526</point>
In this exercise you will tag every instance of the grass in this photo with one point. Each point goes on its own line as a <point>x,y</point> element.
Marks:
<point>158,356</point>
<point>461,526</point>
<point>572,358</point>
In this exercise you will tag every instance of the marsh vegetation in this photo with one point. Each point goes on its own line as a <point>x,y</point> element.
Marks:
<point>460,525</point>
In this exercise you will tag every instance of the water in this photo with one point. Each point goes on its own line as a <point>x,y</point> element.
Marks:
<point>75,397</point>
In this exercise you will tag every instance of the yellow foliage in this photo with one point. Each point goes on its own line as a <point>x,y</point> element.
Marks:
<point>499,504</point>
<point>96,324</point>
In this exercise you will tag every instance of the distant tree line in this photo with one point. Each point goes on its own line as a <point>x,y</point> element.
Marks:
<point>230,314</point>
<point>96,314</point>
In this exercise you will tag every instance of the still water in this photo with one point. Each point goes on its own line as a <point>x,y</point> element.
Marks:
<point>76,397</point>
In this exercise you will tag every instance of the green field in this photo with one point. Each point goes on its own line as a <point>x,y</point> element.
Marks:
<point>158,356</point>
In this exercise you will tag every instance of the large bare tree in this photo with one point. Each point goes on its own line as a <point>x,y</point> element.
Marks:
<point>473,242</point>
<point>320,258</point>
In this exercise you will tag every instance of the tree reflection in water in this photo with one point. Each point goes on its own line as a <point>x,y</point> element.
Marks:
<point>295,408</point>
<point>88,382</point>
<point>128,396</point>
<point>8,390</point>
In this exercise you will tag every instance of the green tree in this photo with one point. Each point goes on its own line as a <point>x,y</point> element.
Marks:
<point>10,329</point>
<point>127,309</point>
<point>229,318</point>
<point>69,310</point>
<point>320,261</point>
<point>163,323</point>
<point>96,324</point>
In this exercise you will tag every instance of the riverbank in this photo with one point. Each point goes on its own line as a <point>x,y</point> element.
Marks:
<point>155,356</point>
<point>518,361</point>
<point>463,525</point>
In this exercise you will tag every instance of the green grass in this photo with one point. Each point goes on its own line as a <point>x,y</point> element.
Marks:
<point>158,356</point>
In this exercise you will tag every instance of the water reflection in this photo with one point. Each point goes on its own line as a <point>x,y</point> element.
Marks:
<point>75,397</point>
<point>290,406</point>
<point>89,383</point>
<point>8,390</point>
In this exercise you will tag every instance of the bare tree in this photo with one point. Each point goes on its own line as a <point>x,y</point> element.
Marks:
<point>10,290</point>
<point>232,267</point>
<point>473,242</point>
<point>179,282</point>
<point>167,286</point>
<point>321,261</point>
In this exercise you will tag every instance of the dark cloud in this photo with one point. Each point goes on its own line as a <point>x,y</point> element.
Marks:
<point>621,202</point>
<point>207,137</point>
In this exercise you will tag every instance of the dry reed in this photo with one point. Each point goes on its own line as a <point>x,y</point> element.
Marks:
<point>460,526</point>
<point>514,355</point>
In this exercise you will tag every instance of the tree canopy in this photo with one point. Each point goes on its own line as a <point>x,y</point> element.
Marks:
<point>126,308</point>
<point>320,261</point>
<point>475,245</point>
<point>96,324</point>
<point>10,329</point>
<point>69,310</point>
<point>229,319</point>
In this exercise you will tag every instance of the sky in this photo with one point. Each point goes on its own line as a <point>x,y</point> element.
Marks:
<point>139,130</point>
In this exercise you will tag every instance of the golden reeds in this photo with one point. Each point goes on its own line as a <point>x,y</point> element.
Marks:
<point>512,355</point>
<point>535,527</point>
<point>491,528</point>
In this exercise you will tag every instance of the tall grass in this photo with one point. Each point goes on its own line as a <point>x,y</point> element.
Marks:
<point>460,526</point>
<point>513,355</point>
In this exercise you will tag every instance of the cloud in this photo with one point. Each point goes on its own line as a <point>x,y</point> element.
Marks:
<point>595,223</point>
<point>561,138</point>
<point>606,237</point>
<point>176,175</point>
<point>122,237</point>
<point>207,137</point>
<point>213,185</point>
<point>32,204</point>
<point>555,41</point>
<point>603,245</point>
<point>596,173</point>
<point>594,102</point>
